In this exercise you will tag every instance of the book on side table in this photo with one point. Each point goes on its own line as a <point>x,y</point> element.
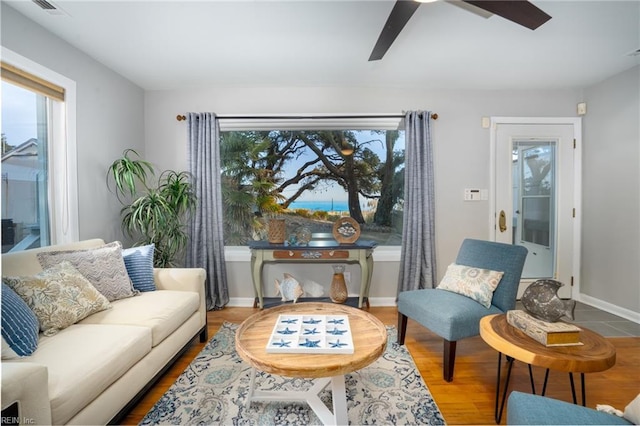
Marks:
<point>548,333</point>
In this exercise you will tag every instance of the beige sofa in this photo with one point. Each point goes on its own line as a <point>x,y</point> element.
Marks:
<point>94,371</point>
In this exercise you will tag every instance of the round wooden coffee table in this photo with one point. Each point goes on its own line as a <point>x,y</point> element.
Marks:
<point>595,354</point>
<point>369,342</point>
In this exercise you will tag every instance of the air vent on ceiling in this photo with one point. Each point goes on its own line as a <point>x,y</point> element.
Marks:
<point>49,7</point>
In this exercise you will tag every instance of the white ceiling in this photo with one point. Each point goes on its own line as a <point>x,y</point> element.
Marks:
<point>181,44</point>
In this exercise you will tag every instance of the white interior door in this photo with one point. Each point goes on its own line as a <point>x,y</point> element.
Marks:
<point>535,169</point>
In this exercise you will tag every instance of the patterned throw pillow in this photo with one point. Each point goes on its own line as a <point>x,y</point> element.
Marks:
<point>475,283</point>
<point>19,325</point>
<point>59,296</point>
<point>102,266</point>
<point>139,263</point>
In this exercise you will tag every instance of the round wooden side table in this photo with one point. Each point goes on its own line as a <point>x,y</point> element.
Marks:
<point>369,342</point>
<point>595,354</point>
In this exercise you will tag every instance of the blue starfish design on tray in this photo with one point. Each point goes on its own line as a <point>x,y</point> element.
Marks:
<point>282,344</point>
<point>286,331</point>
<point>311,343</point>
<point>312,321</point>
<point>337,321</point>
<point>289,321</point>
<point>337,344</point>
<point>336,332</point>
<point>310,331</point>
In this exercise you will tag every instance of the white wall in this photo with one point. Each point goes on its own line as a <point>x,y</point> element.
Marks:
<point>109,116</point>
<point>461,148</point>
<point>611,191</point>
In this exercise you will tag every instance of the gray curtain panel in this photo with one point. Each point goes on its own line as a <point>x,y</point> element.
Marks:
<point>418,259</point>
<point>206,244</point>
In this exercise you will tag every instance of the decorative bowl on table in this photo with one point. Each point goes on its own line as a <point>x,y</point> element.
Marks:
<point>346,230</point>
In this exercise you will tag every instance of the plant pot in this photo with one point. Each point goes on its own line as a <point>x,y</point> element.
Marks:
<point>338,291</point>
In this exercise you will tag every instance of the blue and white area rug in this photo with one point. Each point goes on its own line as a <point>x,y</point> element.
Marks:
<point>213,390</point>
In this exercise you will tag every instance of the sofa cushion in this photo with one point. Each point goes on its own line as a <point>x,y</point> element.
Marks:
<point>139,264</point>
<point>19,326</point>
<point>84,360</point>
<point>163,311</point>
<point>475,283</point>
<point>58,296</point>
<point>103,266</point>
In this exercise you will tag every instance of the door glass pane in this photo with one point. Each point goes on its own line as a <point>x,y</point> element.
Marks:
<point>534,205</point>
<point>25,217</point>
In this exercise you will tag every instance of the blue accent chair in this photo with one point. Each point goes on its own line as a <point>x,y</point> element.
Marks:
<point>453,316</point>
<point>527,409</point>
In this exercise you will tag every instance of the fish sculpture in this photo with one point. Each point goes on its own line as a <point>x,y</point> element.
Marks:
<point>289,288</point>
<point>541,300</point>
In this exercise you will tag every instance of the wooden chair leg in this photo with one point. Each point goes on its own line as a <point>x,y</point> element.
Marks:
<point>449,360</point>
<point>402,328</point>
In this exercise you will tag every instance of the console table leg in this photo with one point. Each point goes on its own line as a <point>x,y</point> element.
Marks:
<point>584,393</point>
<point>498,414</point>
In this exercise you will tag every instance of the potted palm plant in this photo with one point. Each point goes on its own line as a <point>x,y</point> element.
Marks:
<point>154,210</point>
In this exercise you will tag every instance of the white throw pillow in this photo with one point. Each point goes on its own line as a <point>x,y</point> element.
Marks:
<point>475,283</point>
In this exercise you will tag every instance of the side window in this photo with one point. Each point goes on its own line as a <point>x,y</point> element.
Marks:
<point>39,192</point>
<point>25,181</point>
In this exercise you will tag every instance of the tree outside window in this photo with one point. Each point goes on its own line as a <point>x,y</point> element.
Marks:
<point>311,178</point>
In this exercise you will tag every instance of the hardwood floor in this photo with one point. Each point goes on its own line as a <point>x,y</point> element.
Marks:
<point>470,398</point>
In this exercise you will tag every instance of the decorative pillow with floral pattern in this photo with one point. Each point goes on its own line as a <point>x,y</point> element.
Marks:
<point>475,283</point>
<point>59,296</point>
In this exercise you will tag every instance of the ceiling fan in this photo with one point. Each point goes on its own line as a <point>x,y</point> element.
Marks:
<point>519,11</point>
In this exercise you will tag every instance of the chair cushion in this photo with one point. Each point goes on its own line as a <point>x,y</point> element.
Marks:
<point>58,296</point>
<point>508,258</point>
<point>447,314</point>
<point>526,409</point>
<point>102,266</point>
<point>475,283</point>
<point>19,326</point>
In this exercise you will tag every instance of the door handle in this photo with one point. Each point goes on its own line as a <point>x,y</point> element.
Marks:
<point>502,221</point>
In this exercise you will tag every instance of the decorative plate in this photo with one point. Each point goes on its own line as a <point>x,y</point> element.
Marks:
<point>346,230</point>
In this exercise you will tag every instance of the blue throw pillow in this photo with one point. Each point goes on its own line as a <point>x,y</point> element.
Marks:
<point>19,324</point>
<point>139,264</point>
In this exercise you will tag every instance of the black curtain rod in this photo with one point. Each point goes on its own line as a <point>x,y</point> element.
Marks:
<point>302,117</point>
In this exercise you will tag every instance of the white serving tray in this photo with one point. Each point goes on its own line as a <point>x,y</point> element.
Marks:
<point>311,334</point>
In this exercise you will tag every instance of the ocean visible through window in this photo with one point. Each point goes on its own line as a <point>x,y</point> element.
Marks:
<point>312,178</point>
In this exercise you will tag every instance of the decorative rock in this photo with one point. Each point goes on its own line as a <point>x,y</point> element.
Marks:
<point>541,300</point>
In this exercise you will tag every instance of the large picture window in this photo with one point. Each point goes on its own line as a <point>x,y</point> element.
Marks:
<point>311,178</point>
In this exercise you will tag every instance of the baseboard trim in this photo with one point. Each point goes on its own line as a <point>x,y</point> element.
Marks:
<point>247,302</point>
<point>611,308</point>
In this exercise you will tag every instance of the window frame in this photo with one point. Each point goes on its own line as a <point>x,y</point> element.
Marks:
<point>63,185</point>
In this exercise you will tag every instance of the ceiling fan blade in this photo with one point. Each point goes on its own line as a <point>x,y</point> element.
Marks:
<point>518,11</point>
<point>470,8</point>
<point>398,18</point>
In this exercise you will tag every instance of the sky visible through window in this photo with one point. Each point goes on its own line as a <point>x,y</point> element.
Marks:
<point>18,114</point>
